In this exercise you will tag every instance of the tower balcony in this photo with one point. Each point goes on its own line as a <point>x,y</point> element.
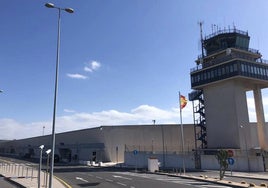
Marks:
<point>254,71</point>
<point>226,55</point>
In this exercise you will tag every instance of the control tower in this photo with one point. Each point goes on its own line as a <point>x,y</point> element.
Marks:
<point>225,71</point>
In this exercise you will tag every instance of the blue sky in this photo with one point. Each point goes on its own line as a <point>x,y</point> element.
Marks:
<point>121,62</point>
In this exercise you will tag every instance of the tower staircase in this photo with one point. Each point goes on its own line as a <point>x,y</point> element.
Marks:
<point>196,96</point>
<point>199,119</point>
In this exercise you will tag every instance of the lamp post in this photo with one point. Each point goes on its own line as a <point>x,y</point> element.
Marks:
<point>69,10</point>
<point>43,130</point>
<point>163,146</point>
<point>47,152</point>
<point>40,164</point>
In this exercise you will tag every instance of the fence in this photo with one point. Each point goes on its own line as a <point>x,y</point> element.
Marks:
<point>27,172</point>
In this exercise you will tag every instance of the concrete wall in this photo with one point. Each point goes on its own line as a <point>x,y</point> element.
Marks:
<point>105,143</point>
<point>226,110</point>
<point>140,160</point>
<point>154,138</point>
<point>242,163</point>
<point>244,160</point>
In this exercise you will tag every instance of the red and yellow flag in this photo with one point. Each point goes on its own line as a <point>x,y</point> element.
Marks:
<point>183,101</point>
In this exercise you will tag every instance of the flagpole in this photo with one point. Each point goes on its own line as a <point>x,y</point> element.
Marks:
<point>182,136</point>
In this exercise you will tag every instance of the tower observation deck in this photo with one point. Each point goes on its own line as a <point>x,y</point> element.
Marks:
<point>227,55</point>
<point>226,70</point>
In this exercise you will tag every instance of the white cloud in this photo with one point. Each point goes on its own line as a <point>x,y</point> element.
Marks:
<point>89,67</point>
<point>95,65</point>
<point>12,129</point>
<point>252,111</point>
<point>77,76</point>
<point>147,113</point>
<point>143,114</point>
<point>92,66</point>
<point>68,110</point>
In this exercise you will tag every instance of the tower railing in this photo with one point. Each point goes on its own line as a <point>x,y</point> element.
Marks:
<point>252,50</point>
<point>226,58</point>
<point>224,31</point>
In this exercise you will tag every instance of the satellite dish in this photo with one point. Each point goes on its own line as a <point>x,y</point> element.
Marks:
<point>228,51</point>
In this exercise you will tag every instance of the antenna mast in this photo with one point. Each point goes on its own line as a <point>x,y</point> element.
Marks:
<point>201,38</point>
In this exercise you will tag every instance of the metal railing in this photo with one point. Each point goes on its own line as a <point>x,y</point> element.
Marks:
<point>18,170</point>
<point>226,58</point>
<point>224,31</point>
<point>252,50</point>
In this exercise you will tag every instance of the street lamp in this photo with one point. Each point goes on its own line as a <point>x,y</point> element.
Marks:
<point>43,130</point>
<point>47,152</point>
<point>40,164</point>
<point>69,10</point>
<point>163,146</point>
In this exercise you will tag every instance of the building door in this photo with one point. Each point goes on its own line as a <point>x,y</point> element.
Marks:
<point>94,156</point>
<point>65,154</point>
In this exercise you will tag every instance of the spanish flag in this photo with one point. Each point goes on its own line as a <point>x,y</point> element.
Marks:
<point>183,101</point>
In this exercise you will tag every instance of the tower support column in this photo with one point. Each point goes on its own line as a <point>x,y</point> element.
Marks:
<point>261,130</point>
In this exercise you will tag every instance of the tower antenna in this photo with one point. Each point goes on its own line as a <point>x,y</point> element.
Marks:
<point>201,38</point>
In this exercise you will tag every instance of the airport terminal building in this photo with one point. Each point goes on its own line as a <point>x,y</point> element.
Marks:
<point>105,143</point>
<point>225,71</point>
<point>133,145</point>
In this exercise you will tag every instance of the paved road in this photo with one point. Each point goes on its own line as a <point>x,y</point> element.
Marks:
<point>5,184</point>
<point>79,177</point>
<point>112,178</point>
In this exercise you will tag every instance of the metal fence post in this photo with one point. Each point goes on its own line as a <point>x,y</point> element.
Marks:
<point>32,174</point>
<point>27,172</point>
<point>18,168</point>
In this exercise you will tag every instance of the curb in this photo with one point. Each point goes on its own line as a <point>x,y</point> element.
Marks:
<point>254,178</point>
<point>14,182</point>
<point>205,179</point>
<point>63,182</point>
<point>217,181</point>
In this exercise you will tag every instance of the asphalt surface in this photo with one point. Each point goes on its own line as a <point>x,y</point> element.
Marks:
<point>78,177</point>
<point>6,184</point>
<point>103,177</point>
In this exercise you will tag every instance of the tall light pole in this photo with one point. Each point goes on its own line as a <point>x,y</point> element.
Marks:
<point>47,152</point>
<point>163,146</point>
<point>69,10</point>
<point>40,164</point>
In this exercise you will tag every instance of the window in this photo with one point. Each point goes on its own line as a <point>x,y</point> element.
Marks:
<point>219,72</point>
<point>255,70</point>
<point>243,67</point>
<point>231,68</point>
<point>223,70</point>
<point>198,78</point>
<point>235,67</point>
<point>212,74</point>
<point>227,69</point>
<point>251,70</point>
<point>208,74</point>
